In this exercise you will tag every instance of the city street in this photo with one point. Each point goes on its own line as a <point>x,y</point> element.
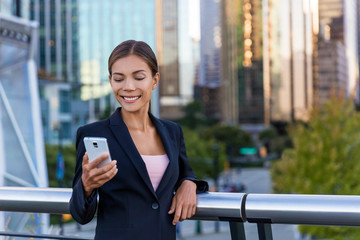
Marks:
<point>256,180</point>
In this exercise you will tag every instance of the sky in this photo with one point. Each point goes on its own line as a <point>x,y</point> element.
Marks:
<point>194,13</point>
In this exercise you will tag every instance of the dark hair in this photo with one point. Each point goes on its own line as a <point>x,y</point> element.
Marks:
<point>137,48</point>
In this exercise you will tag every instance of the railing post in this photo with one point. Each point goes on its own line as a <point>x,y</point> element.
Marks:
<point>264,231</point>
<point>237,230</point>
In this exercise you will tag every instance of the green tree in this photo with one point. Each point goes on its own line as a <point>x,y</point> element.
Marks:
<point>69,155</point>
<point>200,152</point>
<point>233,137</point>
<point>274,142</point>
<point>193,115</point>
<point>324,160</point>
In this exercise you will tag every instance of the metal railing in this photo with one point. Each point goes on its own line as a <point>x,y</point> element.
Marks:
<point>236,208</point>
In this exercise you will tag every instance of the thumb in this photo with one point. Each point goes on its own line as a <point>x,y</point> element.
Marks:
<point>85,159</point>
<point>172,207</point>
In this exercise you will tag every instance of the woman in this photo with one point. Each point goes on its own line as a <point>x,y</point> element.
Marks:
<point>150,186</point>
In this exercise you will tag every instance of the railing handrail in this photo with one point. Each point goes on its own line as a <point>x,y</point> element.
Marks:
<point>341,210</point>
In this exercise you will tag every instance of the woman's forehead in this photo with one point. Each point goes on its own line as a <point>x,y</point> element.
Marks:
<point>130,63</point>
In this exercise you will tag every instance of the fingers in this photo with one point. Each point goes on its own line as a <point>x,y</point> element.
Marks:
<point>182,211</point>
<point>184,202</point>
<point>106,172</point>
<point>94,177</point>
<point>172,207</point>
<point>193,211</point>
<point>177,216</point>
<point>99,159</point>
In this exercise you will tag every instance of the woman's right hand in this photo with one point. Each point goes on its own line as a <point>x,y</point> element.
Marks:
<point>93,177</point>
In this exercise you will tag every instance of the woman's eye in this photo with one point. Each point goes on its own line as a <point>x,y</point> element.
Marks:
<point>117,79</point>
<point>139,78</point>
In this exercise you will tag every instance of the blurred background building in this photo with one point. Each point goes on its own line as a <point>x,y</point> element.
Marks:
<point>288,53</point>
<point>310,55</point>
<point>22,155</point>
<point>208,86</point>
<point>337,45</point>
<point>250,63</point>
<point>177,55</point>
<point>230,11</point>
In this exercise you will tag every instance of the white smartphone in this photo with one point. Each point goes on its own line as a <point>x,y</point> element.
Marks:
<point>95,146</point>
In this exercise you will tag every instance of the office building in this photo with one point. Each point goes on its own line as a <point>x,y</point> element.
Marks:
<point>22,153</point>
<point>338,23</point>
<point>168,52</point>
<point>176,55</point>
<point>250,63</point>
<point>332,70</point>
<point>209,80</point>
<point>230,11</point>
<point>62,113</point>
<point>58,65</point>
<point>58,53</point>
<point>56,59</point>
<point>288,67</point>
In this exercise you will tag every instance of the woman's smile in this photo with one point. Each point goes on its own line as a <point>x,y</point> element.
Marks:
<point>130,99</point>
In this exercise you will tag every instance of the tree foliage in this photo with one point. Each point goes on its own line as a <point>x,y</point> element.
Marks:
<point>201,153</point>
<point>274,141</point>
<point>324,160</point>
<point>233,137</point>
<point>69,155</point>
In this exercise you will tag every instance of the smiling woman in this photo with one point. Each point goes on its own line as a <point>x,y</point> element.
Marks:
<point>151,185</point>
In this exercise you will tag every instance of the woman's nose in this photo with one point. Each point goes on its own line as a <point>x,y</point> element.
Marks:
<point>129,85</point>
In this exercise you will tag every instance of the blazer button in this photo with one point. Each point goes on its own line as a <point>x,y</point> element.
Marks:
<point>155,206</point>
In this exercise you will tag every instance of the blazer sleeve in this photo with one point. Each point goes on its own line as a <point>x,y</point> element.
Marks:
<point>186,172</point>
<point>82,209</point>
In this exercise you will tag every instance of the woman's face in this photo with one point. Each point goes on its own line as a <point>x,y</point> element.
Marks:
<point>132,83</point>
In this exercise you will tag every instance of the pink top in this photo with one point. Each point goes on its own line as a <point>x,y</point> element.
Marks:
<point>156,166</point>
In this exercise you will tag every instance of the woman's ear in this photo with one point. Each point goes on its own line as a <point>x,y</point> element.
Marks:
<point>110,79</point>
<point>156,79</point>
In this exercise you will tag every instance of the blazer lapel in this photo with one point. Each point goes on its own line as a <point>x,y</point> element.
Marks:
<point>122,134</point>
<point>169,148</point>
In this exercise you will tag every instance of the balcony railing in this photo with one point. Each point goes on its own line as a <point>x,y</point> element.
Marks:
<point>236,208</point>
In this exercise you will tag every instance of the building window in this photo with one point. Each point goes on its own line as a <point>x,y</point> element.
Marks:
<point>65,130</point>
<point>64,101</point>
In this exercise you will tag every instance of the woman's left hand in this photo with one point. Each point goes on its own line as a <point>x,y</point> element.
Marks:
<point>184,202</point>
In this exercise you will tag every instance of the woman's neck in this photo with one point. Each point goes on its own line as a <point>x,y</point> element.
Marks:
<point>138,121</point>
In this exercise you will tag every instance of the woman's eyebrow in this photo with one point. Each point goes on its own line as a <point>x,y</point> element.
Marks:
<point>139,71</point>
<point>121,74</point>
<point>117,73</point>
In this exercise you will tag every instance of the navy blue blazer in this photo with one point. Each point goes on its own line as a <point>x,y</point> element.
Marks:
<point>128,206</point>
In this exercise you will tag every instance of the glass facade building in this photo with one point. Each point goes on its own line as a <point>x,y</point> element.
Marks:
<point>57,55</point>
<point>230,12</point>
<point>177,55</point>
<point>57,60</point>
<point>338,24</point>
<point>250,63</point>
<point>287,54</point>
<point>210,44</point>
<point>22,153</point>
<point>209,80</point>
